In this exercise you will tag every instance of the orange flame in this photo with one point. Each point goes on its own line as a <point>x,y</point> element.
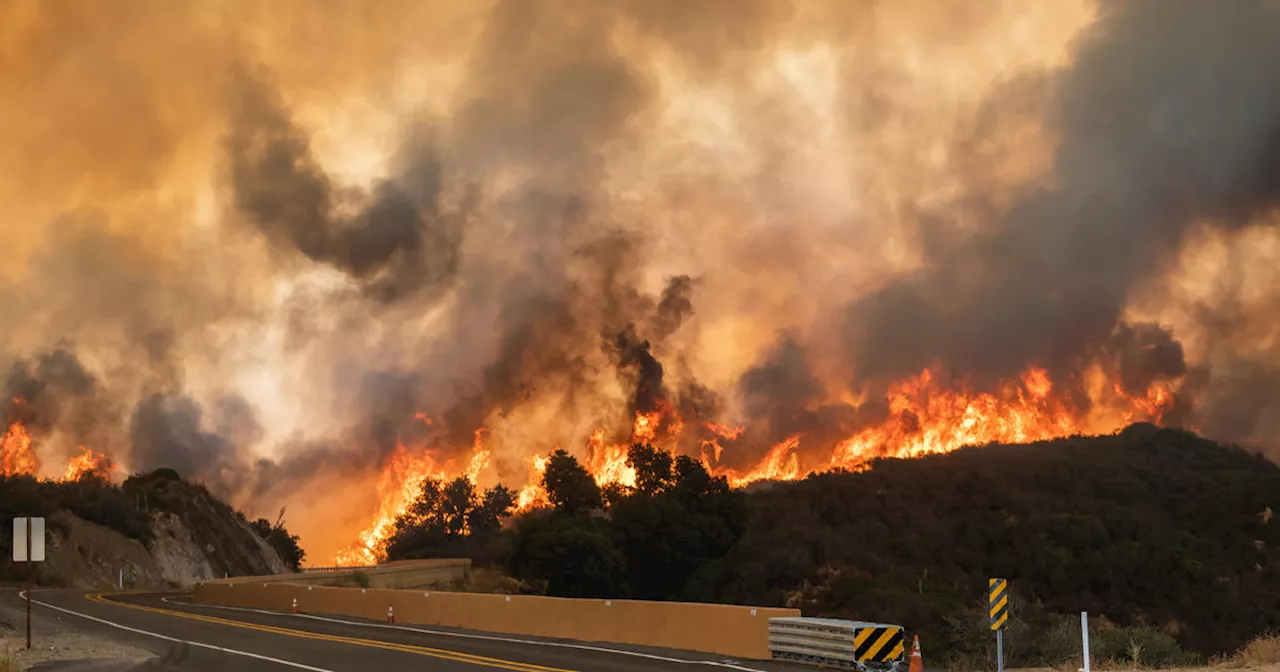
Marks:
<point>479,457</point>
<point>924,419</point>
<point>608,463</point>
<point>402,477</point>
<point>781,463</point>
<point>90,463</point>
<point>925,415</point>
<point>533,495</point>
<point>712,445</point>
<point>403,474</point>
<point>16,456</point>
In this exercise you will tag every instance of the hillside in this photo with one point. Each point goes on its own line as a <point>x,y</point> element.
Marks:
<point>158,528</point>
<point>1150,527</point>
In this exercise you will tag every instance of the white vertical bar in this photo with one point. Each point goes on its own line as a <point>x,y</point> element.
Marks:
<point>1084,636</point>
<point>37,539</point>
<point>20,539</point>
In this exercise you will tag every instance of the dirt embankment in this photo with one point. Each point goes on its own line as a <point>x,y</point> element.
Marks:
<point>198,543</point>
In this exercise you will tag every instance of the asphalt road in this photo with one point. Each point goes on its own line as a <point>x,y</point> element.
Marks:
<point>202,638</point>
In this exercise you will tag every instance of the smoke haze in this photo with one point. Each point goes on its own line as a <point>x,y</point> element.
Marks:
<point>254,241</point>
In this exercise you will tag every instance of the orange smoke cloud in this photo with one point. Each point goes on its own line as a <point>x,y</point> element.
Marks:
<point>356,240</point>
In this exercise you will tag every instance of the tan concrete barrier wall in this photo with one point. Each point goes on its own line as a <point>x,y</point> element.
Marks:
<point>713,628</point>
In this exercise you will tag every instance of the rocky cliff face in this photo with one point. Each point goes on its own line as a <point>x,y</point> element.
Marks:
<point>86,555</point>
<point>192,537</point>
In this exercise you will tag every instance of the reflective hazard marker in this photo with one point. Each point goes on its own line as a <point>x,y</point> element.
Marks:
<point>881,644</point>
<point>998,603</point>
<point>998,611</point>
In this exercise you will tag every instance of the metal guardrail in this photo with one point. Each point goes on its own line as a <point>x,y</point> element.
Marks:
<point>831,643</point>
<point>337,570</point>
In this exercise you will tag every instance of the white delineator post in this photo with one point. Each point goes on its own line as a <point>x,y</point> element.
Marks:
<point>1084,636</point>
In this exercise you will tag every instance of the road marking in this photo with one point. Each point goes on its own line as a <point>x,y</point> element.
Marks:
<point>464,635</point>
<point>157,635</point>
<point>455,656</point>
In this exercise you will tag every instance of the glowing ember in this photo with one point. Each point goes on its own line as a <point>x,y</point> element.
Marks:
<point>90,463</point>
<point>16,456</point>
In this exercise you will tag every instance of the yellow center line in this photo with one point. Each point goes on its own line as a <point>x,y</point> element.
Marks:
<point>372,643</point>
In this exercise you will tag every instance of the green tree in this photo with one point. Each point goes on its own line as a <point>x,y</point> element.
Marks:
<point>654,468</point>
<point>569,487</point>
<point>677,528</point>
<point>493,508</point>
<point>450,519</point>
<point>286,545</point>
<point>572,556</point>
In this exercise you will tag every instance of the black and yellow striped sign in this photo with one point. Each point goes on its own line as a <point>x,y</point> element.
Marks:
<point>878,645</point>
<point>998,602</point>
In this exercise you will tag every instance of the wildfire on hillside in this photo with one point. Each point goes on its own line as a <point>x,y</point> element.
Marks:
<point>924,416</point>
<point>90,462</point>
<point>18,458</point>
<point>802,241</point>
<point>401,480</point>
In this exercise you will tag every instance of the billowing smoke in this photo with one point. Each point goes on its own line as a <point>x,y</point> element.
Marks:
<point>288,249</point>
<point>1160,128</point>
<point>397,241</point>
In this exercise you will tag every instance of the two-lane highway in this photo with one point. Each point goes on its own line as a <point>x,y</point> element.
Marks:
<point>204,638</point>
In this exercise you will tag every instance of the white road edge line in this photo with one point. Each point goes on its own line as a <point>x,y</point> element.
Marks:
<point>463,635</point>
<point>23,595</point>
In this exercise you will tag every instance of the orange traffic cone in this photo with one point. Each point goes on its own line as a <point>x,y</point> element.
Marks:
<point>391,614</point>
<point>295,605</point>
<point>917,663</point>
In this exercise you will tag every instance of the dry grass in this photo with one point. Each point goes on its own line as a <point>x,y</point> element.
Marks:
<point>1101,665</point>
<point>1263,650</point>
<point>7,663</point>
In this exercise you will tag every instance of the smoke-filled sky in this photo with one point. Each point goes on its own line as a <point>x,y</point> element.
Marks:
<point>250,240</point>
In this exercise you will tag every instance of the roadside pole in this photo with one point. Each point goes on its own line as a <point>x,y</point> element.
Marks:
<point>28,578</point>
<point>1084,636</point>
<point>28,549</point>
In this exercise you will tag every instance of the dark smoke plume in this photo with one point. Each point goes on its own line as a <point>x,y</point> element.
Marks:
<point>1170,116</point>
<point>171,431</point>
<point>393,246</point>
<point>55,393</point>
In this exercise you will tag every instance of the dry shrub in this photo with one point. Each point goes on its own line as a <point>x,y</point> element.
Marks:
<point>492,581</point>
<point>1261,650</point>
